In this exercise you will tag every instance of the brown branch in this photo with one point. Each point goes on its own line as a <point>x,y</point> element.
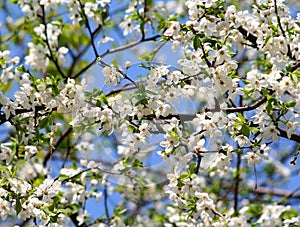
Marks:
<point>51,56</point>
<point>84,69</point>
<point>130,45</point>
<point>293,137</point>
<point>292,194</point>
<point>204,55</point>
<point>295,66</point>
<point>237,182</point>
<point>248,36</point>
<point>289,53</point>
<point>118,49</point>
<point>241,108</point>
<point>87,24</point>
<point>81,53</point>
<point>18,112</point>
<point>105,194</point>
<point>276,192</point>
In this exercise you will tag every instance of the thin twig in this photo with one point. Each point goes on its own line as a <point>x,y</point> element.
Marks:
<point>127,46</point>
<point>118,49</point>
<point>106,202</point>
<point>51,56</point>
<point>87,24</point>
<point>289,53</point>
<point>237,182</point>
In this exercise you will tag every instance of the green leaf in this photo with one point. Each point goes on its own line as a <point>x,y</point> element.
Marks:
<point>192,168</point>
<point>289,68</point>
<point>151,92</point>
<point>115,63</point>
<point>295,77</point>
<point>143,102</point>
<point>126,161</point>
<point>245,130</point>
<point>53,218</point>
<point>269,107</point>
<point>137,163</point>
<point>45,122</point>
<point>18,205</point>
<point>240,115</point>
<point>159,16</point>
<point>196,42</point>
<point>270,169</point>
<point>291,104</point>
<point>254,210</point>
<point>21,69</point>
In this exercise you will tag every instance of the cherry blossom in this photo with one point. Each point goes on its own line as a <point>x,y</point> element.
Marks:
<point>163,113</point>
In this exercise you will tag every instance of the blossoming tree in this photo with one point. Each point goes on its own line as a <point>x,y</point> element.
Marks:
<point>149,113</point>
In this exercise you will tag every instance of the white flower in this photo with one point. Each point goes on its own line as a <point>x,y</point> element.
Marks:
<point>19,186</point>
<point>90,9</point>
<point>134,141</point>
<point>37,58</point>
<point>32,208</point>
<point>74,13</point>
<point>199,146</point>
<point>111,75</point>
<point>188,91</point>
<point>6,153</point>
<point>195,9</point>
<point>293,221</point>
<point>163,70</point>
<point>222,161</point>
<point>173,30</point>
<point>174,77</point>
<point>30,151</point>
<point>170,142</point>
<point>271,215</point>
<point>48,189</point>
<point>208,27</point>
<point>252,158</point>
<point>50,4</point>
<point>144,129</point>
<point>220,119</point>
<point>242,140</point>
<point>103,2</point>
<point>264,150</point>
<point>221,55</point>
<point>205,206</point>
<point>40,31</point>
<point>105,39</point>
<point>60,54</point>
<point>5,209</point>
<point>163,109</point>
<point>270,131</point>
<point>127,26</point>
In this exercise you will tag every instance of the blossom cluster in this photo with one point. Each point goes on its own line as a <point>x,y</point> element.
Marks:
<point>183,145</point>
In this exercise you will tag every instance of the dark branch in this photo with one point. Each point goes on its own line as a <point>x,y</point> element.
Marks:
<point>237,182</point>
<point>87,24</point>
<point>51,56</point>
<point>248,36</point>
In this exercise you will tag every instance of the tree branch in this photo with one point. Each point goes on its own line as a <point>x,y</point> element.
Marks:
<point>127,46</point>
<point>289,53</point>
<point>237,182</point>
<point>51,56</point>
<point>87,24</point>
<point>248,36</point>
<point>117,49</point>
<point>276,192</point>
